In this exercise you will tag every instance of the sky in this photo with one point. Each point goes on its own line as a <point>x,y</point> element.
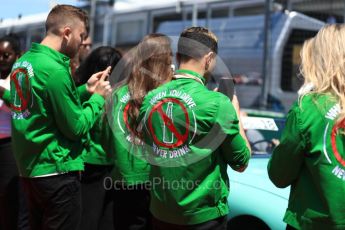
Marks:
<point>12,8</point>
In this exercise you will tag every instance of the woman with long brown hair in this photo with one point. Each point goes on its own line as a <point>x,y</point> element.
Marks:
<point>149,66</point>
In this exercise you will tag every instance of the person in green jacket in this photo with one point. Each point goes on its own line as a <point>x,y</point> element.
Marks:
<point>49,122</point>
<point>96,198</point>
<point>310,157</point>
<point>130,178</point>
<point>13,209</point>
<point>191,134</point>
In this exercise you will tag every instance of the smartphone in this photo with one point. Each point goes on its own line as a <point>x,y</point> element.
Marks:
<point>227,86</point>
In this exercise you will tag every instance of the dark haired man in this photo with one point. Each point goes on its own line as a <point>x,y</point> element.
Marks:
<point>48,121</point>
<point>193,134</point>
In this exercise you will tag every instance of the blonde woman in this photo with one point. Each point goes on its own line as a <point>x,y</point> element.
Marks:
<point>311,155</point>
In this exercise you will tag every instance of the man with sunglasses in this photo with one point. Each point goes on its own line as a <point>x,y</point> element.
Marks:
<point>84,51</point>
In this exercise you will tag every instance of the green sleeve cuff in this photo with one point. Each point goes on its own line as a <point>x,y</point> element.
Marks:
<point>6,97</point>
<point>97,98</point>
<point>84,95</point>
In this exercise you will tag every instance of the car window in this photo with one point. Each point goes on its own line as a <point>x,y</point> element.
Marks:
<point>264,139</point>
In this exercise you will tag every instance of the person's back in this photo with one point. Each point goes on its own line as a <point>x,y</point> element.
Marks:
<point>116,139</point>
<point>319,149</point>
<point>191,134</point>
<point>190,161</point>
<point>40,123</point>
<point>324,172</point>
<point>310,156</point>
<point>147,66</point>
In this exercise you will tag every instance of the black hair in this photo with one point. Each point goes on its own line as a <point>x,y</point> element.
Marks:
<point>96,61</point>
<point>13,39</point>
<point>195,42</point>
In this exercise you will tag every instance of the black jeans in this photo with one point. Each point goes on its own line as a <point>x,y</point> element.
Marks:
<point>215,224</point>
<point>131,207</point>
<point>13,210</point>
<point>54,201</point>
<point>97,213</point>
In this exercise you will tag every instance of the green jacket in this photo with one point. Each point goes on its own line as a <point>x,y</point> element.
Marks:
<point>93,152</point>
<point>48,120</point>
<point>310,158</point>
<point>129,168</point>
<point>6,97</point>
<point>191,134</point>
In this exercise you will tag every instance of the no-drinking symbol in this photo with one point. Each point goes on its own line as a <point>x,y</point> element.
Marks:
<point>125,118</point>
<point>334,145</point>
<point>169,130</point>
<point>21,82</point>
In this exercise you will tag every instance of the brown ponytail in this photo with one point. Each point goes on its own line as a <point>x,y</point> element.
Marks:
<point>151,67</point>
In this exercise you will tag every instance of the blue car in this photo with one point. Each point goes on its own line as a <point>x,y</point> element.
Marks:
<point>254,202</point>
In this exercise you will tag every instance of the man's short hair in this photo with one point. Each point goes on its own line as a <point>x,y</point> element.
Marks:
<point>62,15</point>
<point>195,42</point>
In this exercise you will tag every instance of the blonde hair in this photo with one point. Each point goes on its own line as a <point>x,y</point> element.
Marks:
<point>323,63</point>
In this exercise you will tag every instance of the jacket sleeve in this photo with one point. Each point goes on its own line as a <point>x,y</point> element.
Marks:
<point>287,158</point>
<point>233,148</point>
<point>84,95</point>
<point>6,97</point>
<point>73,120</point>
<point>108,126</point>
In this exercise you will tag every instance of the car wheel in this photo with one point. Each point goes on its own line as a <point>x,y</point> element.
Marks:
<point>247,223</point>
